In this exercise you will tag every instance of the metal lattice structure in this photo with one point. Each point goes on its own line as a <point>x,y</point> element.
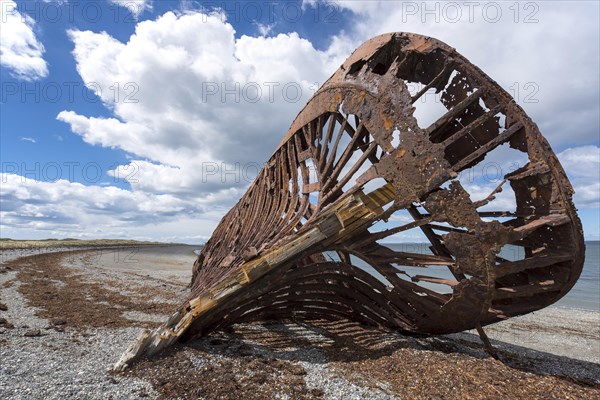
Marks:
<point>307,240</point>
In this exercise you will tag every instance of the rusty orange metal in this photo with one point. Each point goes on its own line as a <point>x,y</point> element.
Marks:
<point>308,239</point>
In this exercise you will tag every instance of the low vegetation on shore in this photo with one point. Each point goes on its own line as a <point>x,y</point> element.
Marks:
<point>10,244</point>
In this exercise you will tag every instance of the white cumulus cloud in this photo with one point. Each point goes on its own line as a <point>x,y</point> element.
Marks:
<point>20,50</point>
<point>35,209</point>
<point>193,97</point>
<point>582,165</point>
<point>135,7</point>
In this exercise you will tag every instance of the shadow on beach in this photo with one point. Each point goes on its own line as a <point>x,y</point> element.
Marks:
<point>347,353</point>
<point>345,341</point>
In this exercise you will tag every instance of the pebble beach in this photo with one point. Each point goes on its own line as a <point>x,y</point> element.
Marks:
<point>67,315</point>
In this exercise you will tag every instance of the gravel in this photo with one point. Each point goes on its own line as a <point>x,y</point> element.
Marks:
<point>52,359</point>
<point>59,365</point>
<point>310,355</point>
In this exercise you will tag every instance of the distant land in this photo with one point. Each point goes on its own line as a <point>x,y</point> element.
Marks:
<point>9,244</point>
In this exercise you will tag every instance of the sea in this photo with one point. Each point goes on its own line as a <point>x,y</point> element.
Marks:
<point>584,295</point>
<point>586,292</point>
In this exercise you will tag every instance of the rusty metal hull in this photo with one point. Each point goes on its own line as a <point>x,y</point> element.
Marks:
<point>357,167</point>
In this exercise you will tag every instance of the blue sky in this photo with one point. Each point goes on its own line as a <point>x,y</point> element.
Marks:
<point>142,119</point>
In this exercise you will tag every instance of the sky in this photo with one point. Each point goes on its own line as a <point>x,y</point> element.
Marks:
<point>148,119</point>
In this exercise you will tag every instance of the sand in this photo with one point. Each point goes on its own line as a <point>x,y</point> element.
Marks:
<point>66,317</point>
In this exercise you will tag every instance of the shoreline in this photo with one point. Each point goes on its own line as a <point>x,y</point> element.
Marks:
<point>12,253</point>
<point>573,308</point>
<point>74,313</point>
<point>17,244</point>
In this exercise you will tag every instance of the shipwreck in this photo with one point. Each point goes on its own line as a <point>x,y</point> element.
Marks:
<point>356,167</point>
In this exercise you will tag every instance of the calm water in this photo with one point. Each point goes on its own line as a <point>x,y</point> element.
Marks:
<point>585,294</point>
